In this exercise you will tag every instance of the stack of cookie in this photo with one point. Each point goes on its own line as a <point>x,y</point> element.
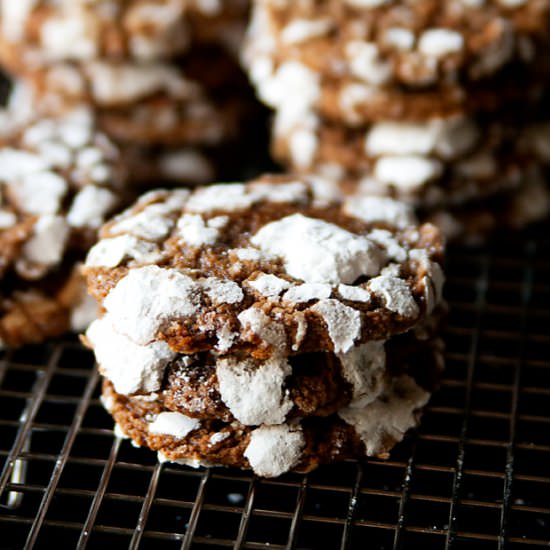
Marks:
<point>440,104</point>
<point>159,75</point>
<point>267,325</point>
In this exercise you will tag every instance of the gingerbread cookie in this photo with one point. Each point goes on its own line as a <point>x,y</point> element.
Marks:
<point>209,387</point>
<point>271,450</point>
<point>267,267</point>
<point>59,179</point>
<point>360,62</point>
<point>134,103</point>
<point>436,164</point>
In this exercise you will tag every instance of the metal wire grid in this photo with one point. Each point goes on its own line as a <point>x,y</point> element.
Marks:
<point>477,474</point>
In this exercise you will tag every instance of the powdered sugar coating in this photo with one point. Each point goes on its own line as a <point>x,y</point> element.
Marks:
<point>262,326</point>
<point>173,423</point>
<point>152,223</point>
<point>440,42</point>
<point>343,323</point>
<point>220,197</point>
<point>316,251</point>
<point>195,231</point>
<point>14,16</point>
<point>145,30</point>
<point>354,293</point>
<point>389,418</point>
<point>366,63</point>
<point>218,437</point>
<point>118,83</point>
<point>393,248</point>
<point>408,172</point>
<point>300,30</point>
<point>448,138</point>
<point>274,450</point>
<point>129,366</point>
<point>147,296</point>
<point>84,312</point>
<point>254,393</point>
<point>222,292</point>
<point>7,219</point>
<point>307,292</point>
<point>140,302</point>
<point>364,367</point>
<point>39,192</point>
<point>90,206</point>
<point>381,209</point>
<point>399,38</point>
<point>46,245</point>
<point>395,293</point>
<point>269,285</point>
<point>247,254</point>
<point>238,196</point>
<point>293,89</point>
<point>111,252</point>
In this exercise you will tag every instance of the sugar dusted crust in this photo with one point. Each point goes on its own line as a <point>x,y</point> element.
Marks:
<point>179,256</point>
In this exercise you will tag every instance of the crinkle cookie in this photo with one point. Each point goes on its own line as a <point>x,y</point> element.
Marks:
<point>265,267</point>
<point>143,162</point>
<point>39,32</point>
<point>271,450</point>
<point>437,163</point>
<point>59,179</point>
<point>210,387</point>
<point>361,61</point>
<point>355,104</point>
<point>147,103</point>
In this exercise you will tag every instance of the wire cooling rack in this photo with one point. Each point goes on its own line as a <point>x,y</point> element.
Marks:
<point>476,475</point>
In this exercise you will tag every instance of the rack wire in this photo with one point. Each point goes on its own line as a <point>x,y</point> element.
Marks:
<point>476,474</point>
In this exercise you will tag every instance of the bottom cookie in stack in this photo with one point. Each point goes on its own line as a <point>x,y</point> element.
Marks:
<point>328,408</point>
<point>265,325</point>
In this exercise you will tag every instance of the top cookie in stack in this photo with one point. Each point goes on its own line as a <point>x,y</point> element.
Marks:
<point>416,100</point>
<point>139,65</point>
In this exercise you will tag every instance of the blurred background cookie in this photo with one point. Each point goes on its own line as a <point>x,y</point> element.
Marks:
<point>414,100</point>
